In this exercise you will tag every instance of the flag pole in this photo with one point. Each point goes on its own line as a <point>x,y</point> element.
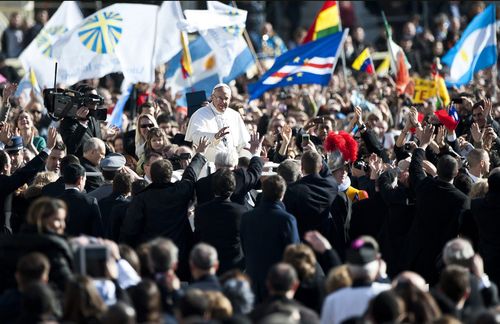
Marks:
<point>342,56</point>
<point>260,68</point>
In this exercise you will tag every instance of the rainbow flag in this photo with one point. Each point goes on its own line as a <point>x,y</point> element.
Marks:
<point>364,62</point>
<point>186,66</point>
<point>327,22</point>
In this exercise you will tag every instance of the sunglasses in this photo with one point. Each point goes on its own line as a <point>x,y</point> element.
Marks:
<point>147,126</point>
<point>36,112</point>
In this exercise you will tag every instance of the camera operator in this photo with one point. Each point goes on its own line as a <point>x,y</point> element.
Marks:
<point>78,130</point>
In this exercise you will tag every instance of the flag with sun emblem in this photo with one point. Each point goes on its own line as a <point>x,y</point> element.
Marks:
<point>118,38</point>
<point>38,58</point>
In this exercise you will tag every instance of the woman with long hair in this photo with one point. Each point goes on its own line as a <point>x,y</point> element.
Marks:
<point>144,123</point>
<point>29,133</point>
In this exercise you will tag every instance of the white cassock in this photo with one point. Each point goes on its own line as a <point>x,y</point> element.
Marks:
<point>207,121</point>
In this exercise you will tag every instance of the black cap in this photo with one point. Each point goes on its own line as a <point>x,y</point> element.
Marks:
<point>362,251</point>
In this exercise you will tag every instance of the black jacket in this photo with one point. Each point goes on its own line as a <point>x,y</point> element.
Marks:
<point>84,216</point>
<point>486,212</point>
<point>93,181</point>
<point>310,200</point>
<point>206,283</point>
<point>276,303</point>
<point>106,206</point>
<point>8,184</point>
<point>75,134</point>
<point>161,209</point>
<point>265,233</point>
<point>218,223</point>
<point>439,207</point>
<point>54,189</point>
<point>246,180</point>
<point>53,246</point>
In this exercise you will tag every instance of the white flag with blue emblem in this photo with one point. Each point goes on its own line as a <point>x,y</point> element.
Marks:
<point>38,58</point>
<point>118,38</point>
<point>476,50</point>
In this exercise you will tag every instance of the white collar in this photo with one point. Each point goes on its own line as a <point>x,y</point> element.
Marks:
<point>473,177</point>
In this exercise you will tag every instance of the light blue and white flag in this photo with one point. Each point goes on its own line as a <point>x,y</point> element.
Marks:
<point>38,58</point>
<point>205,70</point>
<point>476,50</point>
<point>116,116</point>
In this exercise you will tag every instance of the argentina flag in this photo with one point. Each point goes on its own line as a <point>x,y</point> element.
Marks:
<point>476,50</point>
<point>206,69</point>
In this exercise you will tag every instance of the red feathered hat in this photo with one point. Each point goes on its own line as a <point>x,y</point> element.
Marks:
<point>342,147</point>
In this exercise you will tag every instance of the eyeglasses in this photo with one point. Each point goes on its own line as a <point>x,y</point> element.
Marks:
<point>147,126</point>
<point>36,112</point>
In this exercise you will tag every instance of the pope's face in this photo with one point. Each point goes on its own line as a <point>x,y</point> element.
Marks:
<point>221,98</point>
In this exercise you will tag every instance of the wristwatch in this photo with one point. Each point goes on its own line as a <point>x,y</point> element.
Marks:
<point>362,128</point>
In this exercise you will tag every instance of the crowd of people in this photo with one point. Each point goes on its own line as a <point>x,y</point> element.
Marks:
<point>338,204</point>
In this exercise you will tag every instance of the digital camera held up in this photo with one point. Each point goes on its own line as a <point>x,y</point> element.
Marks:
<point>63,103</point>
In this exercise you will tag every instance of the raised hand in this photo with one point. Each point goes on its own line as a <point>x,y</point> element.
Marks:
<point>426,136</point>
<point>286,134</point>
<point>476,133</point>
<point>440,136</point>
<point>317,241</point>
<point>256,143</point>
<point>358,115</point>
<point>5,133</point>
<point>8,91</point>
<point>202,145</point>
<point>51,138</point>
<point>222,132</point>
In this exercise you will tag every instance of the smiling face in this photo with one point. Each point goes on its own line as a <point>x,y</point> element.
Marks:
<point>221,98</point>
<point>56,222</point>
<point>157,143</point>
<point>145,125</point>
<point>24,121</point>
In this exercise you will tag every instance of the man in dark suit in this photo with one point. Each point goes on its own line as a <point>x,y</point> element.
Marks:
<point>439,208</point>
<point>94,151</point>
<point>122,185</point>
<point>162,208</point>
<point>56,188</point>
<point>84,216</point>
<point>9,183</point>
<point>218,222</point>
<point>265,233</point>
<point>203,262</point>
<point>78,130</point>
<point>310,198</point>
<point>485,212</point>
<point>282,282</point>
<point>246,178</point>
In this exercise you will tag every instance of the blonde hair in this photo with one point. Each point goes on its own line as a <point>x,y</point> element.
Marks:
<point>138,137</point>
<point>44,178</point>
<point>479,189</point>
<point>302,258</point>
<point>42,209</point>
<point>220,307</point>
<point>338,278</point>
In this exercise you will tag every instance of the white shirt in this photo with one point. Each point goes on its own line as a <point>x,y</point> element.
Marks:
<point>349,302</point>
<point>207,121</point>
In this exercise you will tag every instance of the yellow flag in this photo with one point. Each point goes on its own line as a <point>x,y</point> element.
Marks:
<point>186,66</point>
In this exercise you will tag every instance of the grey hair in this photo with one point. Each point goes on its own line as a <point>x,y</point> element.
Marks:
<point>92,144</point>
<point>228,159</point>
<point>458,251</point>
<point>221,85</point>
<point>203,256</point>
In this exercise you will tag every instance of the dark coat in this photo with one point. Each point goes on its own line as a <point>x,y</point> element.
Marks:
<point>486,212</point>
<point>116,217</point>
<point>206,283</point>
<point>9,184</point>
<point>54,189</point>
<point>439,207</point>
<point>75,134</point>
<point>218,223</point>
<point>93,182</point>
<point>53,246</point>
<point>106,206</point>
<point>246,180</point>
<point>161,209</point>
<point>399,218</point>
<point>277,303</point>
<point>310,200</point>
<point>265,233</point>
<point>84,216</point>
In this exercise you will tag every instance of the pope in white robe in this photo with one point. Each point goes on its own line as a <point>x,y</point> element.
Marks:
<point>222,126</point>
